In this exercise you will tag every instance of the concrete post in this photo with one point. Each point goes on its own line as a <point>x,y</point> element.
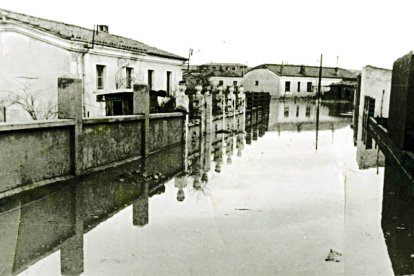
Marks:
<point>401,113</point>
<point>2,114</point>
<point>209,113</point>
<point>141,106</point>
<point>70,106</point>
<point>140,208</point>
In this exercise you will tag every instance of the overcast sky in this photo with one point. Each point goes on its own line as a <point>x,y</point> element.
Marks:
<point>250,32</point>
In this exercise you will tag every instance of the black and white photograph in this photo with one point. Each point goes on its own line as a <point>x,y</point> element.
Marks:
<point>215,137</point>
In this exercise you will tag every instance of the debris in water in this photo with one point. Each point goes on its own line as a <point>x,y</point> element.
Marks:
<point>333,256</point>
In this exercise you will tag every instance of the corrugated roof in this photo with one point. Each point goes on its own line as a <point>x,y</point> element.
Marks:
<point>76,33</point>
<point>307,71</point>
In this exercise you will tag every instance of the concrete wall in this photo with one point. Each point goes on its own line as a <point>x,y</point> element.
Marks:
<point>268,82</point>
<point>373,82</point>
<point>45,151</point>
<point>31,153</point>
<point>107,142</point>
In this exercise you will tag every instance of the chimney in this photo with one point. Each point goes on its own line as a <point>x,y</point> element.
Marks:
<point>281,68</point>
<point>302,70</point>
<point>103,28</point>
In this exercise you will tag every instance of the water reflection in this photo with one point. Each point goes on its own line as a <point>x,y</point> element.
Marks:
<point>300,115</point>
<point>37,223</point>
<point>398,218</point>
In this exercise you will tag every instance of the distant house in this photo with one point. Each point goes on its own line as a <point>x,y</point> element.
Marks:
<point>35,52</point>
<point>293,80</point>
<point>372,98</point>
<point>225,74</point>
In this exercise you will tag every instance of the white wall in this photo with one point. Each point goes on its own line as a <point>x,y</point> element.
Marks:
<point>268,82</point>
<point>36,60</point>
<point>373,82</point>
<point>36,65</point>
<point>227,81</point>
<point>325,82</point>
<point>112,66</point>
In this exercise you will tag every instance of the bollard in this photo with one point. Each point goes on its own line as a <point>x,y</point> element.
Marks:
<point>70,106</point>
<point>141,106</point>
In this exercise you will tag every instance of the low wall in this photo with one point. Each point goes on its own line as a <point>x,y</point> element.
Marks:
<point>36,154</point>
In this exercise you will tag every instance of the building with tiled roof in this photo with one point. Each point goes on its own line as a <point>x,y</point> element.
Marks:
<point>225,74</point>
<point>284,80</point>
<point>35,52</point>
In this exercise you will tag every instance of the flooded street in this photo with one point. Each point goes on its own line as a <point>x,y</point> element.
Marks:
<point>277,206</point>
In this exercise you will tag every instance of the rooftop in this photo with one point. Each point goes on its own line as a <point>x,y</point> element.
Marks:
<point>80,34</point>
<point>307,71</point>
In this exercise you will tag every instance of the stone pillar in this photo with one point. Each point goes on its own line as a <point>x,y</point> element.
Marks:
<point>2,114</point>
<point>141,106</point>
<point>401,113</point>
<point>70,106</point>
<point>140,208</point>
<point>208,113</point>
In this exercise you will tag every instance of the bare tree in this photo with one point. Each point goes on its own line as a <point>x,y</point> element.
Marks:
<point>29,102</point>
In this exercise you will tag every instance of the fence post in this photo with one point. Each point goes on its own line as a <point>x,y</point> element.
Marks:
<point>141,106</point>
<point>70,106</point>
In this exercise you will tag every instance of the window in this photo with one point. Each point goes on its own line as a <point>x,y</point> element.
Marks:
<point>235,83</point>
<point>287,86</point>
<point>309,87</point>
<point>128,77</point>
<point>168,82</point>
<point>150,79</point>
<point>256,83</point>
<point>286,111</point>
<point>298,86</point>
<point>100,76</point>
<point>221,82</point>
<point>297,111</point>
<point>308,109</point>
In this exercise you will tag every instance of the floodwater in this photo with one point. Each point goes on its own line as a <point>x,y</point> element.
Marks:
<point>275,206</point>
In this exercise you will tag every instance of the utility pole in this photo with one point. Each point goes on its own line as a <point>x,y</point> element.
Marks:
<point>318,95</point>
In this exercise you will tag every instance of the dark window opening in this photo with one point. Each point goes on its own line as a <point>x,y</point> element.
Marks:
<point>221,82</point>
<point>100,76</point>
<point>168,82</point>
<point>286,111</point>
<point>117,108</point>
<point>297,111</point>
<point>150,79</point>
<point>287,86</point>
<point>256,83</point>
<point>309,87</point>
<point>234,83</point>
<point>308,109</point>
<point>298,86</point>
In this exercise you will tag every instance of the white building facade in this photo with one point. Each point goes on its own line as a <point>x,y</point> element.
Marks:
<point>35,52</point>
<point>292,80</point>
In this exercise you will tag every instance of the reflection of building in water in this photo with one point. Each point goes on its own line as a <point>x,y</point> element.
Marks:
<point>372,98</point>
<point>229,148</point>
<point>240,143</point>
<point>282,80</point>
<point>398,218</point>
<point>54,218</point>
<point>180,182</point>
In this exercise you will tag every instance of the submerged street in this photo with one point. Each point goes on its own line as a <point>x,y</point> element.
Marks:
<point>279,208</point>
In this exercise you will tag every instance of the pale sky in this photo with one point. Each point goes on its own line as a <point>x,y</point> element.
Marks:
<point>250,32</point>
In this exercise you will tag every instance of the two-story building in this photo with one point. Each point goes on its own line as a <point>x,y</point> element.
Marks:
<point>283,80</point>
<point>225,74</point>
<point>35,52</point>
